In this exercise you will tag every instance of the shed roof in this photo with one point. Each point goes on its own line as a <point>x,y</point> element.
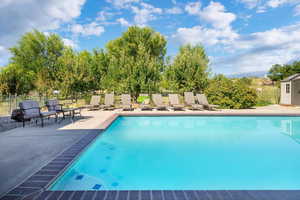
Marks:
<point>292,77</point>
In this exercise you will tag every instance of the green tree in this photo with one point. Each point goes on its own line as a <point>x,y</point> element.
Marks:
<point>99,68</point>
<point>189,71</point>
<point>14,80</point>
<point>279,72</point>
<point>136,61</point>
<point>230,93</point>
<point>75,72</point>
<point>38,52</point>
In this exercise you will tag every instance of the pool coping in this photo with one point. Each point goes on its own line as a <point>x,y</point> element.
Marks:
<point>35,187</point>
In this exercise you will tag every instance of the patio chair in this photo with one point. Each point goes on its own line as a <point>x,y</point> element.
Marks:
<point>53,105</point>
<point>145,105</point>
<point>31,110</point>
<point>126,102</point>
<point>94,103</point>
<point>109,102</point>
<point>158,101</point>
<point>189,99</point>
<point>202,100</point>
<point>174,102</point>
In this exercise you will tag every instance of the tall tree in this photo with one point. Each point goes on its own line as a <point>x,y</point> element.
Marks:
<point>189,71</point>
<point>14,80</point>
<point>39,52</point>
<point>279,72</point>
<point>136,60</point>
<point>75,72</point>
<point>99,68</point>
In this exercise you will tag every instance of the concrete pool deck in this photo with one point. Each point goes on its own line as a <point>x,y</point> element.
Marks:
<point>24,151</point>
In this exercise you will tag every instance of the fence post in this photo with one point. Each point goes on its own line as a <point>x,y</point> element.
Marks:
<point>9,101</point>
<point>16,102</point>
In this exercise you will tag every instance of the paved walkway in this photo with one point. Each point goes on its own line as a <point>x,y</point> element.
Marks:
<point>23,151</point>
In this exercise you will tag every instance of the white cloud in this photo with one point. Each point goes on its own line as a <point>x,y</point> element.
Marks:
<point>123,22</point>
<point>122,3</point>
<point>276,3</point>
<point>104,15</point>
<point>297,10</point>
<point>259,51</point>
<point>18,17</point>
<point>87,29</point>
<point>262,5</point>
<point>145,13</point>
<point>193,8</point>
<point>70,43</point>
<point>174,10</point>
<point>174,1</point>
<point>216,16</point>
<point>206,36</point>
<point>250,3</point>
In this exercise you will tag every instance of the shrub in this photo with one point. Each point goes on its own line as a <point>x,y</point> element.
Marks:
<point>230,94</point>
<point>141,99</point>
<point>268,95</point>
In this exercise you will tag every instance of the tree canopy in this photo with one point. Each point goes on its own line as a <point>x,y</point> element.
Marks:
<point>189,71</point>
<point>38,53</point>
<point>279,72</point>
<point>136,60</point>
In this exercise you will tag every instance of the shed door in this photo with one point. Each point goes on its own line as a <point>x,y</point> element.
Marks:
<point>296,92</point>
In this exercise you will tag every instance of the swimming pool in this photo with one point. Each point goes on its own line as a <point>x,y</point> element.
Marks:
<point>190,153</point>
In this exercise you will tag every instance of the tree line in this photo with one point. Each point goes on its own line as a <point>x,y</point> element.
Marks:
<point>134,63</point>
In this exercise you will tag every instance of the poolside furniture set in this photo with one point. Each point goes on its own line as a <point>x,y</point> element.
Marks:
<point>157,99</point>
<point>30,110</point>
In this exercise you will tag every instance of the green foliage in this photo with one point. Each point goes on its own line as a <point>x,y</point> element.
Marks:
<point>246,80</point>
<point>38,53</point>
<point>133,63</point>
<point>99,68</point>
<point>75,72</point>
<point>136,61</point>
<point>189,71</point>
<point>268,95</point>
<point>279,72</point>
<point>142,99</point>
<point>229,93</point>
<point>15,80</point>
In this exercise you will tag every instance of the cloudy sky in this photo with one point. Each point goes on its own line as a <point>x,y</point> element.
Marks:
<point>239,35</point>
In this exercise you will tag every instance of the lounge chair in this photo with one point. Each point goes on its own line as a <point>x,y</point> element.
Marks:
<point>189,99</point>
<point>109,102</point>
<point>174,102</point>
<point>53,105</point>
<point>158,101</point>
<point>94,103</point>
<point>145,105</point>
<point>202,100</point>
<point>31,110</point>
<point>126,102</point>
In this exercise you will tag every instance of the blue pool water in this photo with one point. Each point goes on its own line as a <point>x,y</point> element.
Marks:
<point>183,153</point>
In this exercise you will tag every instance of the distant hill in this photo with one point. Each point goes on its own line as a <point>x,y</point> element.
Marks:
<point>259,74</point>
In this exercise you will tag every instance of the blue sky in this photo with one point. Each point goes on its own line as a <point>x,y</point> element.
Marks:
<point>238,35</point>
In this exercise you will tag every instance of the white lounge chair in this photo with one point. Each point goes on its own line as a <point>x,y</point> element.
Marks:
<point>158,101</point>
<point>202,100</point>
<point>174,102</point>
<point>126,102</point>
<point>189,99</point>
